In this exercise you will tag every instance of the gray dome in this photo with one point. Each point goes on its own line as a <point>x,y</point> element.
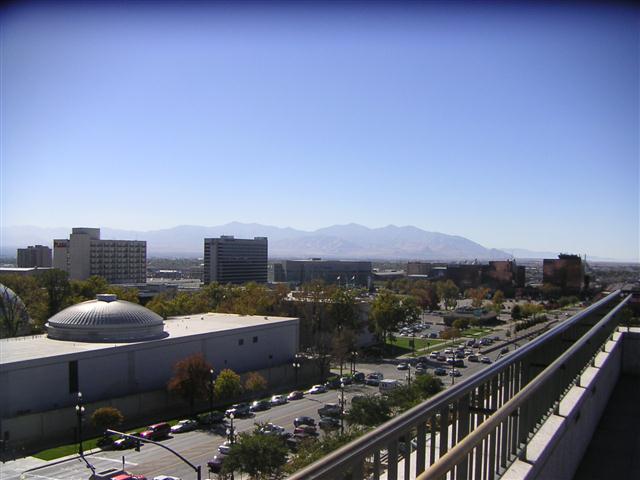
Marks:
<point>106,319</point>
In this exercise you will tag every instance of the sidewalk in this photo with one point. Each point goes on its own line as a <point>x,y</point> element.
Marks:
<point>13,469</point>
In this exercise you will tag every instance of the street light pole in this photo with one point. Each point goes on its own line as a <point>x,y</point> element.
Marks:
<point>212,384</point>
<point>341,408</point>
<point>80,414</point>
<point>409,375</point>
<point>231,435</point>
<point>296,365</point>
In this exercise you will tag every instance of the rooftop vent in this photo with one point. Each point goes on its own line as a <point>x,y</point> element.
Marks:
<point>107,297</point>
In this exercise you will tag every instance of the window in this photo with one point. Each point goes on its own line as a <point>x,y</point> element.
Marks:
<point>73,376</point>
<point>241,342</point>
<point>255,339</point>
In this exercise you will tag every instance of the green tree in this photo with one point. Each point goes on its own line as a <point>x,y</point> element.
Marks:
<point>14,318</point>
<point>427,385</point>
<point>516,312</point>
<point>448,292</point>
<point>450,333</point>
<point>260,456</point>
<point>411,309</point>
<point>106,417</point>
<point>191,379</point>
<point>342,310</point>
<point>34,297</point>
<point>255,383</point>
<point>477,296</point>
<point>369,411</point>
<point>386,314</point>
<point>461,323</point>
<point>56,283</point>
<point>403,398</point>
<point>311,450</point>
<point>228,385</point>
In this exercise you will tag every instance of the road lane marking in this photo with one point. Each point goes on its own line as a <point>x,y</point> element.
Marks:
<point>115,460</point>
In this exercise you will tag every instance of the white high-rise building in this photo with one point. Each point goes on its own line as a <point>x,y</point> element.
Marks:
<point>84,254</point>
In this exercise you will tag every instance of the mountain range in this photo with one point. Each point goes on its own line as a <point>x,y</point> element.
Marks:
<point>351,241</point>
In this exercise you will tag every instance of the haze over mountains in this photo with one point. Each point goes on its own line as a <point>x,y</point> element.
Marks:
<point>350,241</point>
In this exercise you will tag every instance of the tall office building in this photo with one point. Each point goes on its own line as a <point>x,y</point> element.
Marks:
<point>34,256</point>
<point>84,254</point>
<point>235,260</point>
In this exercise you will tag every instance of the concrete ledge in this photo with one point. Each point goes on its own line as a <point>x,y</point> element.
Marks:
<point>545,438</point>
<point>517,471</point>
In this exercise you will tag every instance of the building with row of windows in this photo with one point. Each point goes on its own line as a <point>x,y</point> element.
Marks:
<point>85,254</point>
<point>235,260</point>
<point>504,274</point>
<point>34,256</point>
<point>339,272</point>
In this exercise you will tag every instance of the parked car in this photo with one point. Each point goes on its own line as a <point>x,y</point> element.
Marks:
<point>441,358</point>
<point>473,358</point>
<point>157,431</point>
<point>123,443</point>
<point>329,423</point>
<point>215,464</point>
<point>278,400</point>
<point>376,375</point>
<point>504,350</point>
<point>332,383</point>
<point>303,421</point>
<point>308,429</point>
<point>294,441</point>
<point>440,371</point>
<point>273,429</point>
<point>166,477</point>
<point>238,410</point>
<point>433,335</point>
<point>403,366</point>
<point>330,410</point>
<point>211,418</point>
<point>374,382</point>
<point>358,377</point>
<point>387,385</point>
<point>225,448</point>
<point>127,476</point>
<point>485,360</point>
<point>295,395</point>
<point>184,426</point>
<point>260,405</point>
<point>455,373</point>
<point>317,389</point>
<point>433,355</point>
<point>346,380</point>
<point>421,371</point>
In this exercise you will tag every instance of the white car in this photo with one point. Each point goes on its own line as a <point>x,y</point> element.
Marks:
<point>184,426</point>
<point>225,448</point>
<point>317,389</point>
<point>278,400</point>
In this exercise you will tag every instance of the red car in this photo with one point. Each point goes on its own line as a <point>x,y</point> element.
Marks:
<point>157,431</point>
<point>308,429</point>
<point>126,476</point>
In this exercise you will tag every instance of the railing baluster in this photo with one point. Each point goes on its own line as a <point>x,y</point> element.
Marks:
<point>421,448</point>
<point>392,460</point>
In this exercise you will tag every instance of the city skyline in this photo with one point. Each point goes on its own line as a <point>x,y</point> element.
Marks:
<point>514,126</point>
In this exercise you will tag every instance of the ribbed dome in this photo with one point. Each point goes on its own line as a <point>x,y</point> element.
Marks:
<point>106,319</point>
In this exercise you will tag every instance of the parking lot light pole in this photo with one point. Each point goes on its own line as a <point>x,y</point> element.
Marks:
<point>354,358</point>
<point>80,414</point>
<point>409,375</point>
<point>230,431</point>
<point>212,384</point>
<point>296,366</point>
<point>341,408</point>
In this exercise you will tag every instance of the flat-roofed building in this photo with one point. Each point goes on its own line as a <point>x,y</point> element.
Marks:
<point>341,272</point>
<point>34,256</point>
<point>84,254</point>
<point>565,272</point>
<point>235,260</point>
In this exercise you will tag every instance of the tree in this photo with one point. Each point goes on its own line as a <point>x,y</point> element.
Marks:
<point>342,344</point>
<point>255,382</point>
<point>386,314</point>
<point>261,456</point>
<point>427,385</point>
<point>14,318</point>
<point>516,312</point>
<point>34,297</point>
<point>449,333</point>
<point>448,292</point>
<point>461,323</point>
<point>498,301</point>
<point>107,417</point>
<point>228,385</point>
<point>477,296</point>
<point>369,411</point>
<point>411,309</point>
<point>342,310</point>
<point>191,379</point>
<point>56,283</point>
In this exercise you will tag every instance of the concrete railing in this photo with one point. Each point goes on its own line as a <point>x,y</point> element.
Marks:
<point>477,428</point>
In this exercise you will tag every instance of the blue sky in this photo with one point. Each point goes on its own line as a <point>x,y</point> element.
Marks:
<point>512,126</point>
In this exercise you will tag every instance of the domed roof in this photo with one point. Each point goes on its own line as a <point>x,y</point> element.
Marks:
<point>106,319</point>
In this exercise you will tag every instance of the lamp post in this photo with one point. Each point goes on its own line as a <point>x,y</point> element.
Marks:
<point>354,357</point>
<point>296,366</point>
<point>230,431</point>
<point>341,408</point>
<point>409,376</point>
<point>212,384</point>
<point>80,414</point>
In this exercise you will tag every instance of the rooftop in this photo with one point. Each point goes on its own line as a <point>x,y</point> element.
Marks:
<point>35,347</point>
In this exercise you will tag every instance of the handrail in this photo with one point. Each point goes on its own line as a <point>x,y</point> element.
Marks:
<point>343,457</point>
<point>450,459</point>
